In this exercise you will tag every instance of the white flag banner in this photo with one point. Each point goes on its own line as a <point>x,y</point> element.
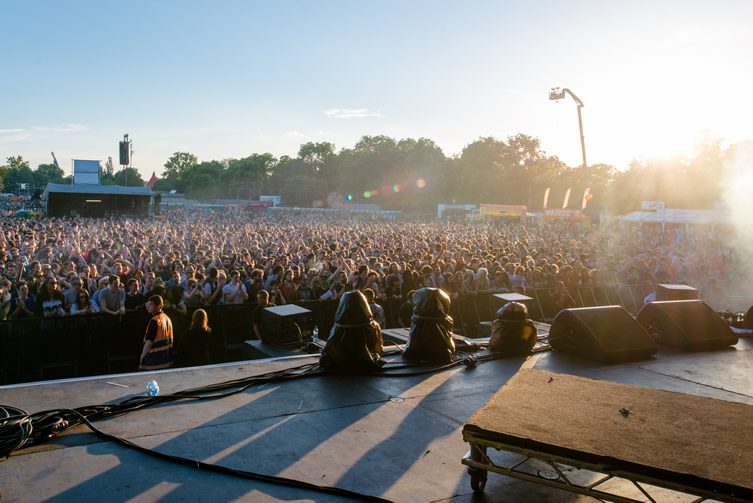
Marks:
<point>546,196</point>
<point>567,198</point>
<point>586,197</point>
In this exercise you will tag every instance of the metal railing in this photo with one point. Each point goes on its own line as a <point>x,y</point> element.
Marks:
<point>50,348</point>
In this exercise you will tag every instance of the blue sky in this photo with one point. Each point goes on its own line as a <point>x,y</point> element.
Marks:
<point>228,78</point>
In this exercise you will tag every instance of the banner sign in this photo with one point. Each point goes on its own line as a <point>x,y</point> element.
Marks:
<point>503,210</point>
<point>564,214</point>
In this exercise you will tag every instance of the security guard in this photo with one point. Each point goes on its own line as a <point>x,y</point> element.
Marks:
<point>158,339</point>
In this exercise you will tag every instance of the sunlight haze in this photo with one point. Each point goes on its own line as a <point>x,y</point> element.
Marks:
<point>226,79</point>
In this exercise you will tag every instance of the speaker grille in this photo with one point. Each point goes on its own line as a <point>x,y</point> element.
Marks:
<point>606,333</point>
<point>687,324</point>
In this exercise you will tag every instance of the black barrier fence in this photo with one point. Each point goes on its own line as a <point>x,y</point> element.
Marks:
<point>470,310</point>
<point>51,348</point>
<point>34,349</point>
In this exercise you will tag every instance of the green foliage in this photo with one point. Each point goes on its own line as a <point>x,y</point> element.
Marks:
<point>301,190</point>
<point>129,177</point>
<point>18,163</point>
<point>247,175</point>
<point>176,169</point>
<point>694,182</point>
<point>18,172</point>
<point>511,171</point>
<point>202,180</point>
<point>178,164</point>
<point>48,173</point>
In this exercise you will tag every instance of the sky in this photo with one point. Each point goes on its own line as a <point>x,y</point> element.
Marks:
<point>225,79</point>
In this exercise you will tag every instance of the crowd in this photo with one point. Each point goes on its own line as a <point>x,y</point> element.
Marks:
<point>57,267</point>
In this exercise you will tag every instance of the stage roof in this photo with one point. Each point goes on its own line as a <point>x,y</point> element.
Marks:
<point>115,190</point>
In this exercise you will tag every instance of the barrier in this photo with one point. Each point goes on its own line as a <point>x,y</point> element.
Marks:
<point>33,349</point>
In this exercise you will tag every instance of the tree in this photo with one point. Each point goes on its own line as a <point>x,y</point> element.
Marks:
<point>3,173</point>
<point>302,190</point>
<point>203,180</point>
<point>48,173</point>
<point>369,165</point>
<point>18,172</point>
<point>420,166</point>
<point>128,177</point>
<point>178,163</point>
<point>248,173</point>
<point>316,156</point>
<point>18,163</point>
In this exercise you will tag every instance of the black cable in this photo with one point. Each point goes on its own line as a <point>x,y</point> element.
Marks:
<point>230,471</point>
<point>19,429</point>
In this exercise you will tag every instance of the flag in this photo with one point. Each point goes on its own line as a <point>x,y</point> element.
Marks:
<point>546,196</point>
<point>586,197</point>
<point>567,199</point>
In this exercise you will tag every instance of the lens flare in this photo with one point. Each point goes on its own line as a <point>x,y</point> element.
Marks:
<point>367,194</point>
<point>396,188</point>
<point>421,183</point>
<point>348,197</point>
<point>738,186</point>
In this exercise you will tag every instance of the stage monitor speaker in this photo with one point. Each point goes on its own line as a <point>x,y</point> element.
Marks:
<point>686,324</point>
<point>283,325</point>
<point>748,319</point>
<point>675,292</point>
<point>606,334</point>
<point>125,153</point>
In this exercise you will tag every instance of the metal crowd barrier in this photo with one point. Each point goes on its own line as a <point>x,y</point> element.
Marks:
<point>51,348</point>
<point>34,349</point>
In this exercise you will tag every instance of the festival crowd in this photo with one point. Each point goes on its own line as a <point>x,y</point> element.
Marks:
<point>59,267</point>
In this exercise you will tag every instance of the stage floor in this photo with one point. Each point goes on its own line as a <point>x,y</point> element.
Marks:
<point>398,438</point>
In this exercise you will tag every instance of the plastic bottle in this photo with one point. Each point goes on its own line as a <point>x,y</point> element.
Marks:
<point>152,388</point>
<point>315,335</point>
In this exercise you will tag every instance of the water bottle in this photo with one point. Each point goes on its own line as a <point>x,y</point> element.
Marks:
<point>152,388</point>
<point>315,335</point>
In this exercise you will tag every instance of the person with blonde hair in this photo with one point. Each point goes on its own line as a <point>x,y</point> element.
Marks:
<point>482,280</point>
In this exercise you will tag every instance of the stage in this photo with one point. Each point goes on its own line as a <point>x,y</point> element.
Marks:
<point>395,437</point>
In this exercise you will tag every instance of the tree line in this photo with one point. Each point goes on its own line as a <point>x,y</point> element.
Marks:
<point>414,175</point>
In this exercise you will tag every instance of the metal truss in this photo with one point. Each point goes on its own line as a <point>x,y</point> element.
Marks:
<point>480,463</point>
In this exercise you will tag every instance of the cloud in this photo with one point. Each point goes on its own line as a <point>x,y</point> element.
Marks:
<point>295,134</point>
<point>67,128</point>
<point>15,135</point>
<point>351,113</point>
<point>697,35</point>
<point>525,93</point>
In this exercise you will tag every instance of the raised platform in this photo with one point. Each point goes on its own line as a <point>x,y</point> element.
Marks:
<point>398,438</point>
<point>703,446</point>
